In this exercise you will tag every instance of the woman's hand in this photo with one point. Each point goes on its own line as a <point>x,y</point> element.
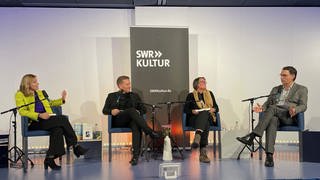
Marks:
<point>64,95</point>
<point>212,110</point>
<point>195,112</point>
<point>44,115</point>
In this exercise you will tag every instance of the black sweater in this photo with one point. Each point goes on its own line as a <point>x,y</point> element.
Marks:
<point>191,103</point>
<point>122,101</point>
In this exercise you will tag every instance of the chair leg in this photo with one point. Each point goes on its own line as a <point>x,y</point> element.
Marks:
<point>300,146</point>
<point>110,147</point>
<point>68,151</point>
<point>214,144</point>
<point>260,148</point>
<point>144,148</point>
<point>26,153</point>
<point>183,142</point>
<point>142,145</point>
<point>219,145</point>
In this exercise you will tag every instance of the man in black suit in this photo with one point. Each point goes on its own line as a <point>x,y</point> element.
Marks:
<point>127,111</point>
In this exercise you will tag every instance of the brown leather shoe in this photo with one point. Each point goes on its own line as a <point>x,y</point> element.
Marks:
<point>196,141</point>
<point>203,156</point>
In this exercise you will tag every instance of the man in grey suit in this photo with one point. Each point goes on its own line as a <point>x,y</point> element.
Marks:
<point>281,107</point>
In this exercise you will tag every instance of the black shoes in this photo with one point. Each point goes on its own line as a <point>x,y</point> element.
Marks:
<point>269,160</point>
<point>154,135</point>
<point>78,150</point>
<point>49,162</point>
<point>247,139</point>
<point>134,161</point>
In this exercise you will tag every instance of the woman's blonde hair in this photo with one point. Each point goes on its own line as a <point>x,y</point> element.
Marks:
<point>25,84</point>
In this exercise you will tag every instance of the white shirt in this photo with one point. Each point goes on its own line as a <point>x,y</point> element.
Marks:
<point>284,95</point>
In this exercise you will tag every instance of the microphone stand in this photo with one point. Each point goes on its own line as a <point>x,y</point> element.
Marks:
<point>153,120</point>
<point>173,142</point>
<point>251,120</point>
<point>16,150</point>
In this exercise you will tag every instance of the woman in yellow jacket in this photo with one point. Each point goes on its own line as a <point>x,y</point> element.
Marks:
<point>41,117</point>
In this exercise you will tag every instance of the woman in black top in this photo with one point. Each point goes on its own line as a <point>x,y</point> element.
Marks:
<point>127,111</point>
<point>200,108</point>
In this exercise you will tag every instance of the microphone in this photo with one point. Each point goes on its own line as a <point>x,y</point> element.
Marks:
<point>118,99</point>
<point>278,94</point>
<point>121,93</point>
<point>280,90</point>
<point>45,94</point>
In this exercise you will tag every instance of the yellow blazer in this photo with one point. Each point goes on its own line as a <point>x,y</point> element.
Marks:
<point>29,110</point>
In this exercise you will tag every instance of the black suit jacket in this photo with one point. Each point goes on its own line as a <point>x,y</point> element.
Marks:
<point>119,100</point>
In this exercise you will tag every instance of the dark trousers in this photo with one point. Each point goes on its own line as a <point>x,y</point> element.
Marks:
<point>59,127</point>
<point>202,121</point>
<point>272,118</point>
<point>131,118</point>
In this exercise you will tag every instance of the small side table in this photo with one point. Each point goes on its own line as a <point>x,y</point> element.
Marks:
<point>310,146</point>
<point>4,143</point>
<point>95,148</point>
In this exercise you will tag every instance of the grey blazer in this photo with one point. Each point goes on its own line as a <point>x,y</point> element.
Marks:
<point>297,97</point>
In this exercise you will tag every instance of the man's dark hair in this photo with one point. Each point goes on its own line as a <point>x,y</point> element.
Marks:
<point>196,82</point>
<point>291,70</point>
<point>121,78</point>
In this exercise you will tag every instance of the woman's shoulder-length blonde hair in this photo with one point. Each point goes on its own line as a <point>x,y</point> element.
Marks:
<point>25,84</point>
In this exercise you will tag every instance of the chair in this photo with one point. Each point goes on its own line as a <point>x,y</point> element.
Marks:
<point>26,134</point>
<point>112,130</point>
<point>299,127</point>
<point>212,128</point>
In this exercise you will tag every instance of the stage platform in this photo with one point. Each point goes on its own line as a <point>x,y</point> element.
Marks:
<point>287,166</point>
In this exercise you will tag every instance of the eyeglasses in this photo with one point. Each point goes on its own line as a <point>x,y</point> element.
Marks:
<point>284,75</point>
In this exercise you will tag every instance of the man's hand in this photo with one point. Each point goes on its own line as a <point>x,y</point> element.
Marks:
<point>195,112</point>
<point>44,115</point>
<point>292,111</point>
<point>257,108</point>
<point>115,112</point>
